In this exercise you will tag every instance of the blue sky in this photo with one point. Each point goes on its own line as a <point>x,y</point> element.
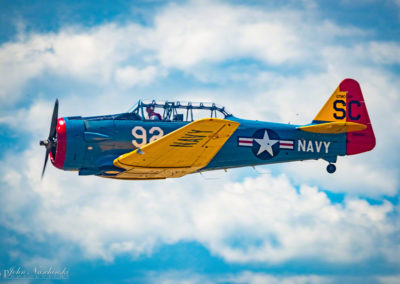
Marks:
<point>275,61</point>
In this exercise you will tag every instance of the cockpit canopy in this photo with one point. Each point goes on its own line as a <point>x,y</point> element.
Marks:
<point>177,111</point>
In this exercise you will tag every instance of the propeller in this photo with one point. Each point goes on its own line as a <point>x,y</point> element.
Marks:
<point>51,142</point>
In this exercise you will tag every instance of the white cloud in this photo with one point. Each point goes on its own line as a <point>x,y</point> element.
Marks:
<point>373,52</point>
<point>385,53</point>
<point>259,278</point>
<point>393,279</point>
<point>200,32</point>
<point>91,55</point>
<point>354,175</point>
<point>250,277</point>
<point>264,219</point>
<point>209,31</point>
<point>183,36</point>
<point>184,277</point>
<point>242,277</point>
<point>130,76</point>
<point>34,120</point>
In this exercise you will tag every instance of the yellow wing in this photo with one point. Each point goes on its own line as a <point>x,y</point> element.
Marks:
<point>178,153</point>
<point>334,127</point>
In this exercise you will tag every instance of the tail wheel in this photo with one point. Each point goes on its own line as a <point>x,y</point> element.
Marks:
<point>331,168</point>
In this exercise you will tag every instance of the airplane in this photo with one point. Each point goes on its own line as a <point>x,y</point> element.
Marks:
<point>142,144</point>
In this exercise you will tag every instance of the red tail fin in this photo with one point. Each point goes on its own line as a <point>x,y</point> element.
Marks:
<point>356,111</point>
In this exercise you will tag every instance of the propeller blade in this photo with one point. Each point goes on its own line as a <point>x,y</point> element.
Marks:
<point>45,162</point>
<point>54,121</point>
<point>51,142</point>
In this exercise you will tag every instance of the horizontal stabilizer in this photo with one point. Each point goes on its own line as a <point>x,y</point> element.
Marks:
<point>334,127</point>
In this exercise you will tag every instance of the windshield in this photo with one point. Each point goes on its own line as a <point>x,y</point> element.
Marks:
<point>177,111</point>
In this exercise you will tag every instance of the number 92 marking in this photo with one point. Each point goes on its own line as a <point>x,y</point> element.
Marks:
<point>140,133</point>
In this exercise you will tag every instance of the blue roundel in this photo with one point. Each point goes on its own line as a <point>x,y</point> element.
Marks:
<point>265,144</point>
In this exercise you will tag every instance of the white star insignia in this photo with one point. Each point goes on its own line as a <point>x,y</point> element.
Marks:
<point>266,144</point>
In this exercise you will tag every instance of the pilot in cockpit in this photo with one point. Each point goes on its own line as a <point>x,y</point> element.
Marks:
<point>152,114</point>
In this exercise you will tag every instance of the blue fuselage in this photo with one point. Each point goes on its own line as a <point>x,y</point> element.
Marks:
<point>93,143</point>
